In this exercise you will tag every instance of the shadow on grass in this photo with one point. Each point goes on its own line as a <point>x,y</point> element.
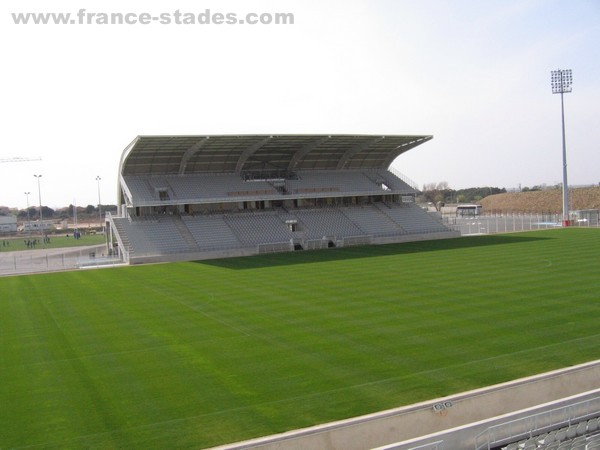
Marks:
<point>367,251</point>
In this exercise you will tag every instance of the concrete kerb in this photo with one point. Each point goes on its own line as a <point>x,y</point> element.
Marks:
<point>421,419</point>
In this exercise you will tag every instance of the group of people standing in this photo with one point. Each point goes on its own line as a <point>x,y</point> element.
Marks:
<point>31,243</point>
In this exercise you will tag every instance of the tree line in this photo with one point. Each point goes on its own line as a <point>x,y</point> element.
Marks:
<point>67,212</point>
<point>440,193</point>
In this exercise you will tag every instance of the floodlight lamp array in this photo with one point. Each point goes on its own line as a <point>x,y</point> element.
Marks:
<point>561,81</point>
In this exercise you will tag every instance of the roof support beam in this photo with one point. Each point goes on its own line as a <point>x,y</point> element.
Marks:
<point>355,149</point>
<point>190,152</point>
<point>249,152</point>
<point>305,150</point>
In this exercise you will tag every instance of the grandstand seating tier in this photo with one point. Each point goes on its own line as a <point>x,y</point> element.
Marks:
<point>578,436</point>
<point>165,234</point>
<point>179,189</point>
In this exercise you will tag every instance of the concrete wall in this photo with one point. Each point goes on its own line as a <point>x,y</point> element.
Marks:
<point>249,251</point>
<point>192,256</point>
<point>397,239</point>
<point>507,428</point>
<point>407,423</point>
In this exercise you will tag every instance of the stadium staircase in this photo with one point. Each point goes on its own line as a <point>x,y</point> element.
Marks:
<point>211,232</point>
<point>186,234</point>
<point>371,220</point>
<point>122,235</point>
<point>413,219</point>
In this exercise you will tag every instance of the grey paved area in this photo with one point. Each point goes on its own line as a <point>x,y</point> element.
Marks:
<point>56,259</point>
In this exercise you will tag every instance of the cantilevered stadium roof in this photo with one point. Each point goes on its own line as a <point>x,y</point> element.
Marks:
<point>156,155</point>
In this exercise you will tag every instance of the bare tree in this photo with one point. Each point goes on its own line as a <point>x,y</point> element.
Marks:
<point>434,193</point>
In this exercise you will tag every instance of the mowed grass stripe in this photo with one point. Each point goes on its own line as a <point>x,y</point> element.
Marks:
<point>198,354</point>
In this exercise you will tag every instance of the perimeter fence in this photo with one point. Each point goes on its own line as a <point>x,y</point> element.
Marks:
<point>489,223</point>
<point>22,262</point>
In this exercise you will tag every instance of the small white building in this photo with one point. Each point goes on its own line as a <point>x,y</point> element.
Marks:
<point>8,224</point>
<point>37,226</point>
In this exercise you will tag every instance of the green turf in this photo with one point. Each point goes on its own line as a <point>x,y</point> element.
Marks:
<point>56,241</point>
<point>191,355</point>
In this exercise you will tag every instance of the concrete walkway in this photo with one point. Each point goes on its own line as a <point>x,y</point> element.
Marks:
<point>53,259</point>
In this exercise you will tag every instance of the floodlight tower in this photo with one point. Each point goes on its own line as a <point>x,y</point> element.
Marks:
<point>99,203</point>
<point>41,216</point>
<point>561,84</point>
<point>28,218</point>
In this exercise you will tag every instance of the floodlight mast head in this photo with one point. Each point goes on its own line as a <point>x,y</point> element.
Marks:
<point>561,81</point>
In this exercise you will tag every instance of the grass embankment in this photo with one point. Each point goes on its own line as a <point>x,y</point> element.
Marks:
<point>548,201</point>
<point>198,354</point>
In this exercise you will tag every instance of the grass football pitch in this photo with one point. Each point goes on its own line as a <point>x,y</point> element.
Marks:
<point>197,354</point>
<point>56,241</point>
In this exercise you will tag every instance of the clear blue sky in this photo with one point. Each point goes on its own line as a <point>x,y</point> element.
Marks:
<point>475,74</point>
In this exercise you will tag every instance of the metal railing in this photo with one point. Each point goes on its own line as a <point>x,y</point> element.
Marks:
<point>532,425</point>
<point>404,178</point>
<point>123,249</point>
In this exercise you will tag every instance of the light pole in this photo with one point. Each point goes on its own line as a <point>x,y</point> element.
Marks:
<point>561,84</point>
<point>28,218</point>
<point>99,203</point>
<point>40,199</point>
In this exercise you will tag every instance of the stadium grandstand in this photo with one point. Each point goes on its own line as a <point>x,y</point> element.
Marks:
<point>201,197</point>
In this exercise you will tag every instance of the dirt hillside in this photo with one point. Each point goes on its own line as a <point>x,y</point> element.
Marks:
<point>548,201</point>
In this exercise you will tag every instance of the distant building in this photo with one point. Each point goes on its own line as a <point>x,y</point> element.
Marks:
<point>463,210</point>
<point>36,226</point>
<point>8,224</point>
